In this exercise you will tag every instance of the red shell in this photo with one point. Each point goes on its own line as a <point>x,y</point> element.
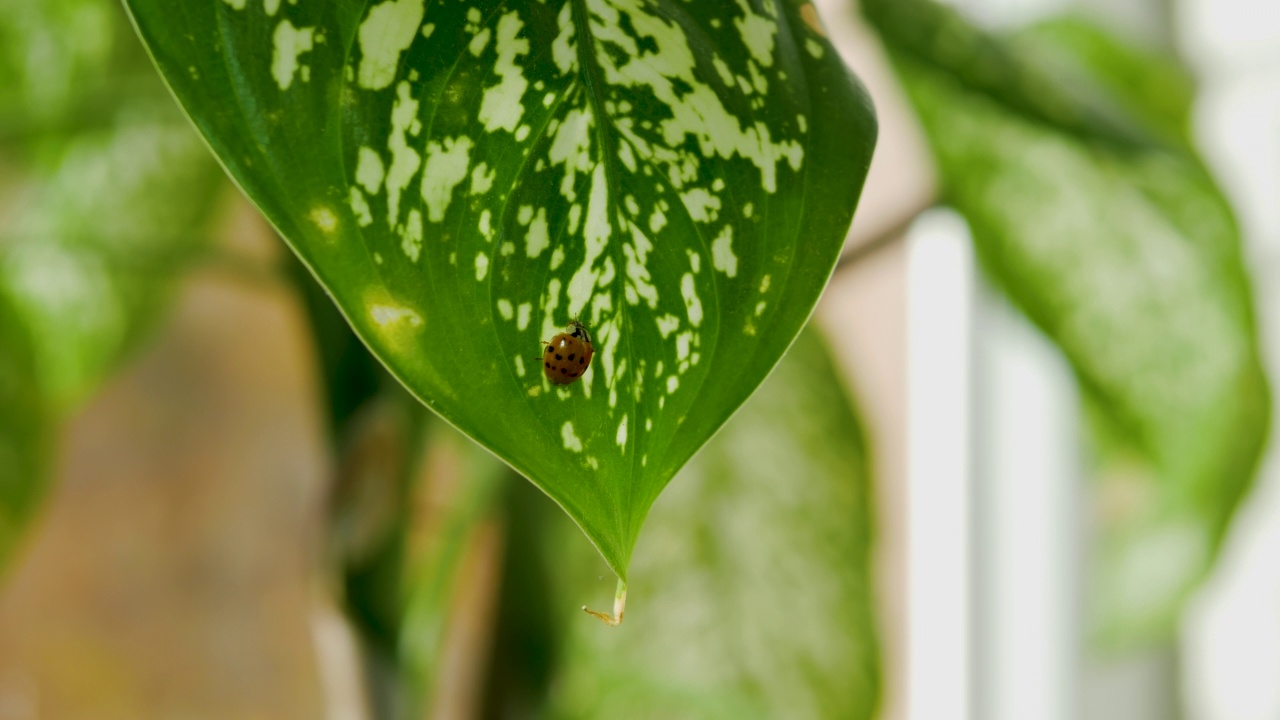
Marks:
<point>568,355</point>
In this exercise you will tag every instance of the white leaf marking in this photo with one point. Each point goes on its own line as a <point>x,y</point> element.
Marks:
<point>289,43</point>
<point>722,256</point>
<point>692,303</point>
<point>386,32</point>
<point>571,440</point>
<point>501,107</point>
<point>446,167</point>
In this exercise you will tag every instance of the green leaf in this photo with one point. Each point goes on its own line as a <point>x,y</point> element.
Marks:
<point>1151,87</point>
<point>757,573</point>
<point>465,178</point>
<point>933,36</point>
<point>1129,259</point>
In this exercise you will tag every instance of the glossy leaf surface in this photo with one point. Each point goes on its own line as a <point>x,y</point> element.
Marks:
<point>1128,257</point>
<point>465,178</point>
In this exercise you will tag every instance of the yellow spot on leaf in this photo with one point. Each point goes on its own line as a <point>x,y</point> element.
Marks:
<point>387,315</point>
<point>324,219</point>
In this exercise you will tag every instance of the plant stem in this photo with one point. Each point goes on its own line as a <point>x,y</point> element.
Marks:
<point>619,607</point>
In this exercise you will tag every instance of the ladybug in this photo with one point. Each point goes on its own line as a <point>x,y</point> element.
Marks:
<point>568,355</point>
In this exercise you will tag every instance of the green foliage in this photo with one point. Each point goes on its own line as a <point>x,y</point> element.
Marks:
<point>756,573</point>
<point>60,63</point>
<point>1150,88</point>
<point>109,193</point>
<point>465,178</point>
<point>91,251</point>
<point>1128,257</point>
<point>934,36</point>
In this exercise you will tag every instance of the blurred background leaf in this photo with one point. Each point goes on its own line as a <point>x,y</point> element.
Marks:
<point>755,571</point>
<point>931,36</point>
<point>415,503</point>
<point>93,247</point>
<point>108,198</point>
<point>412,512</point>
<point>1127,255</point>
<point>58,60</point>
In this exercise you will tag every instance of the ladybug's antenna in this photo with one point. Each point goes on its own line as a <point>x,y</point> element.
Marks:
<point>619,607</point>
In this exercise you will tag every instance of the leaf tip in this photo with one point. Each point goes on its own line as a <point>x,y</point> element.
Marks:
<point>619,607</point>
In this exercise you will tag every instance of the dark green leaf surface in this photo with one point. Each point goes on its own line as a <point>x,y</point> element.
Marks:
<point>756,574</point>
<point>1130,261</point>
<point>465,178</point>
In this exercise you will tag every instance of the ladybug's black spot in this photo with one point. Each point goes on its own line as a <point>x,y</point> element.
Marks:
<point>563,371</point>
<point>547,364</point>
<point>559,357</point>
<point>581,361</point>
<point>570,356</point>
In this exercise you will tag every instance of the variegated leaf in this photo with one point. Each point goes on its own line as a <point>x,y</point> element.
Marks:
<point>466,177</point>
<point>1127,255</point>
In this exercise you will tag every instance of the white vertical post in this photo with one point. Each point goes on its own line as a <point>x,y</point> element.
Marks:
<point>1028,508</point>
<point>940,306</point>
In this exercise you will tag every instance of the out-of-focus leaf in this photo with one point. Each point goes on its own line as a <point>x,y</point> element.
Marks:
<point>1149,85</point>
<point>410,498</point>
<point>465,178</point>
<point>1129,259</point>
<point>451,508</point>
<point>755,570</point>
<point>107,193</point>
<point>50,52</point>
<point>66,66</point>
<point>938,38</point>
<point>94,246</point>
<point>25,426</point>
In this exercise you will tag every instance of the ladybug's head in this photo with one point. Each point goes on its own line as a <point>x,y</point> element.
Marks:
<point>578,330</point>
